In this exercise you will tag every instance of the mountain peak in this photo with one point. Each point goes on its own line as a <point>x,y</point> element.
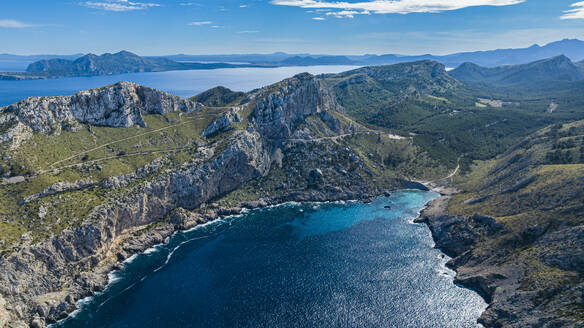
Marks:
<point>126,53</point>
<point>556,69</point>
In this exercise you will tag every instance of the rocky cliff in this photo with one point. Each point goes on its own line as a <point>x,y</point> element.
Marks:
<point>516,231</point>
<point>41,280</point>
<point>280,108</point>
<point>120,105</point>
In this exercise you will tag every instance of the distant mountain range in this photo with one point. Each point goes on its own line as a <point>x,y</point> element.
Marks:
<point>571,48</point>
<point>556,69</point>
<point>106,64</point>
<point>127,62</point>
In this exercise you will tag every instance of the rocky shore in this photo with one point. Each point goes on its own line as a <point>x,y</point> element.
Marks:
<point>283,143</point>
<point>469,240</point>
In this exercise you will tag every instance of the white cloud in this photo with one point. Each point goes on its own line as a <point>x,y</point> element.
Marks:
<point>347,13</point>
<point>576,13</point>
<point>247,32</point>
<point>12,23</point>
<point>118,5</point>
<point>217,26</point>
<point>318,18</point>
<point>349,9</point>
<point>243,6</point>
<point>200,23</point>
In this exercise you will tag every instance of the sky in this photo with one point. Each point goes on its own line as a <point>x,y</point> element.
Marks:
<point>164,27</point>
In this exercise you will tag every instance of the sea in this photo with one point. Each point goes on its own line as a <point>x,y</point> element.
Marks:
<point>337,264</point>
<point>181,83</point>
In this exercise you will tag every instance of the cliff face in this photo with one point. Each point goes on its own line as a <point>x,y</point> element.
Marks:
<point>118,105</point>
<point>279,109</point>
<point>41,282</point>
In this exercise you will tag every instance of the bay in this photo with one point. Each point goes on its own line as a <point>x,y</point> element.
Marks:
<point>297,265</point>
<point>180,83</point>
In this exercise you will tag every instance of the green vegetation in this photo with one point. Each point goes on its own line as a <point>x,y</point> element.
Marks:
<point>536,196</point>
<point>423,99</point>
<point>92,153</point>
<point>219,97</point>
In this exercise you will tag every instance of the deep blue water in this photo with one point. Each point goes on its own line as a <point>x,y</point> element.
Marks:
<point>324,265</point>
<point>180,83</point>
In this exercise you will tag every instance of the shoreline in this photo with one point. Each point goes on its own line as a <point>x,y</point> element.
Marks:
<point>435,216</point>
<point>261,204</point>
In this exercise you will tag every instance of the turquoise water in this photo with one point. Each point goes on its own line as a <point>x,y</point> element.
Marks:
<point>180,83</point>
<point>312,265</point>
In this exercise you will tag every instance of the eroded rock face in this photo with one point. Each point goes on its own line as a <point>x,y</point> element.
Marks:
<point>118,105</point>
<point>281,107</point>
<point>41,282</point>
<point>66,260</point>
<point>223,123</point>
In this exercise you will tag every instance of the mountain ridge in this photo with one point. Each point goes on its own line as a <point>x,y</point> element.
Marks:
<point>556,69</point>
<point>90,64</point>
<point>75,203</point>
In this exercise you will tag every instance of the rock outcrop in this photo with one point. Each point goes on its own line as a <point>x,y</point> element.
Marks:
<point>223,123</point>
<point>118,105</point>
<point>279,108</point>
<point>58,188</point>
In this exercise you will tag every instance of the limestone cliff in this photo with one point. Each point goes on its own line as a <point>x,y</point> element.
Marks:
<point>43,280</point>
<point>40,282</point>
<point>118,105</point>
<point>278,109</point>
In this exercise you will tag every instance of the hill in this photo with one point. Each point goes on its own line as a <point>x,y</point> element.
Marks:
<point>516,229</point>
<point>449,117</point>
<point>218,97</point>
<point>557,69</point>
<point>312,61</point>
<point>107,64</point>
<point>90,179</point>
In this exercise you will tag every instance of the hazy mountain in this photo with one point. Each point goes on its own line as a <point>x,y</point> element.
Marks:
<point>127,62</point>
<point>121,62</point>
<point>107,64</point>
<point>556,69</point>
<point>311,61</point>
<point>572,48</point>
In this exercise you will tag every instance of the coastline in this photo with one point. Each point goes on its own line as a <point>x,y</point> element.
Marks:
<point>131,245</point>
<point>237,212</point>
<point>445,229</point>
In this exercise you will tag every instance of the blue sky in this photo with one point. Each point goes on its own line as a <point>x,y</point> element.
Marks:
<point>162,27</point>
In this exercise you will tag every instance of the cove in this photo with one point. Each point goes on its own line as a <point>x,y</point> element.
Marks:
<point>296,265</point>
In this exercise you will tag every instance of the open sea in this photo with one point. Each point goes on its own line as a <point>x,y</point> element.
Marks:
<point>180,83</point>
<point>343,264</point>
